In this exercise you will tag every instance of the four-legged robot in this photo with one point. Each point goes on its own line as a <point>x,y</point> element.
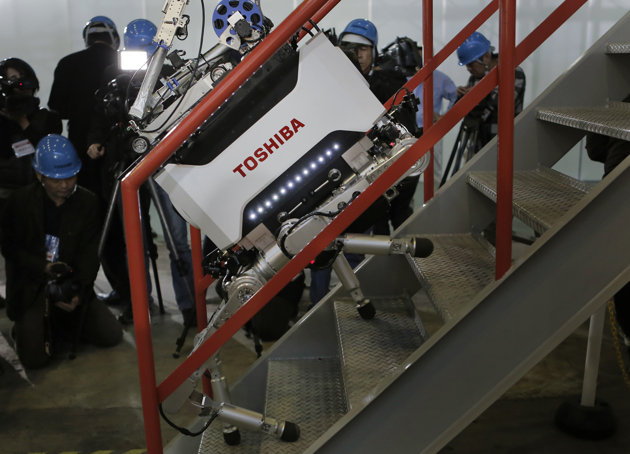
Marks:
<point>268,172</point>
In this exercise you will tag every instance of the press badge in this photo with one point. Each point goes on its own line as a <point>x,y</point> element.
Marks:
<point>22,148</point>
<point>52,248</point>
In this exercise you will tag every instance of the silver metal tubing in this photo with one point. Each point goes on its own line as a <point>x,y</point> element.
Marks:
<point>348,279</point>
<point>137,111</point>
<point>593,350</point>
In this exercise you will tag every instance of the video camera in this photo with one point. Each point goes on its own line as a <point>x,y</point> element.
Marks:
<point>403,55</point>
<point>15,102</point>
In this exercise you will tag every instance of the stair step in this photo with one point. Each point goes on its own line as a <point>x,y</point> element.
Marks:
<point>618,48</point>
<point>612,120</point>
<point>541,196</point>
<point>308,392</point>
<point>459,268</point>
<point>374,349</point>
<point>212,441</point>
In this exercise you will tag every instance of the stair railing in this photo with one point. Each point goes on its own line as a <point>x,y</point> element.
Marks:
<point>152,394</point>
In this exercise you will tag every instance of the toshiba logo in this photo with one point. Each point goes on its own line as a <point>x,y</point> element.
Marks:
<point>266,149</point>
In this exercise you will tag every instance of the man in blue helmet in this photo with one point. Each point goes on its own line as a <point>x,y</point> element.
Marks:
<point>359,41</point>
<point>50,234</point>
<point>360,37</point>
<point>77,76</point>
<point>476,53</point>
<point>109,146</point>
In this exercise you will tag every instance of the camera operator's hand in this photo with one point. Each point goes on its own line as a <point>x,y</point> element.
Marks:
<point>68,307</point>
<point>96,150</point>
<point>461,91</point>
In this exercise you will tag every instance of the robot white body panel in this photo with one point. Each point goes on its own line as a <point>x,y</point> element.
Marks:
<point>213,196</point>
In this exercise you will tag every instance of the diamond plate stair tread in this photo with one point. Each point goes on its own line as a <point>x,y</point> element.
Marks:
<point>212,441</point>
<point>612,120</point>
<point>308,392</point>
<point>374,349</point>
<point>618,48</point>
<point>541,196</point>
<point>458,269</point>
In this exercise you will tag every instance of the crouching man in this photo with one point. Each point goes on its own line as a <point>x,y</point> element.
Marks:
<point>50,232</point>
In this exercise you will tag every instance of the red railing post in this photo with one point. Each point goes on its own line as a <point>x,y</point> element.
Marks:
<point>505,151</point>
<point>201,283</point>
<point>427,93</point>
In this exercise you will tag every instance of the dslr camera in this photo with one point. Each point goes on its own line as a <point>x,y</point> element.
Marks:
<point>61,286</point>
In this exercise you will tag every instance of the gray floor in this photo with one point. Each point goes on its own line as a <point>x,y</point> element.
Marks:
<point>92,403</point>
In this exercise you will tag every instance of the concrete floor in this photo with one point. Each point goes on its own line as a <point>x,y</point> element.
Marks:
<point>92,403</point>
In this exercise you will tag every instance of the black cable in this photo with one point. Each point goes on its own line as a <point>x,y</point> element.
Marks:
<point>312,22</point>
<point>396,96</point>
<point>185,431</point>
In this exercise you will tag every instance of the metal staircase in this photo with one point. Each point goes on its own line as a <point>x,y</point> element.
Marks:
<point>393,385</point>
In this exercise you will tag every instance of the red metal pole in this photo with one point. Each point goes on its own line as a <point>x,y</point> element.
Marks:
<point>201,285</point>
<point>201,282</point>
<point>505,152</point>
<point>427,93</point>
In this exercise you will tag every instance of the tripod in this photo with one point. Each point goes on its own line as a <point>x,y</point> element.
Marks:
<point>181,266</point>
<point>465,146</point>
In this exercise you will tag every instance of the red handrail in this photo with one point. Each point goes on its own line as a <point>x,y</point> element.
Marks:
<point>151,394</point>
<point>427,90</point>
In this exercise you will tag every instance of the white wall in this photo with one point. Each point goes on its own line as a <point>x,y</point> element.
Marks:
<point>43,31</point>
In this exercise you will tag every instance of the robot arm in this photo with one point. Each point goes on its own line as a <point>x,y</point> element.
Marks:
<point>174,19</point>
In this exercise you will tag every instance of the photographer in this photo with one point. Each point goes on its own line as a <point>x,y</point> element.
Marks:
<point>110,147</point>
<point>50,234</point>
<point>22,124</point>
<point>477,55</point>
<point>76,78</point>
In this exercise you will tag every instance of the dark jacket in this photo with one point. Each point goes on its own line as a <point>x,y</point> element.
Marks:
<point>77,77</point>
<point>23,244</point>
<point>486,113</point>
<point>608,150</point>
<point>16,172</point>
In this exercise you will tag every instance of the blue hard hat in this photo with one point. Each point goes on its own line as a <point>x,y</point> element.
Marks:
<point>360,27</point>
<point>475,47</point>
<point>101,24</point>
<point>55,157</point>
<point>139,34</point>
